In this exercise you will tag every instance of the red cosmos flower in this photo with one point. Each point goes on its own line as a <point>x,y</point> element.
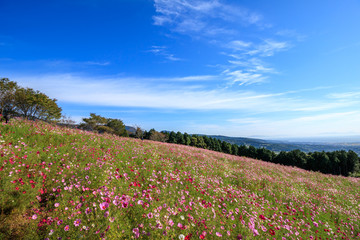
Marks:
<point>262,217</point>
<point>272,232</point>
<point>202,236</point>
<point>188,236</point>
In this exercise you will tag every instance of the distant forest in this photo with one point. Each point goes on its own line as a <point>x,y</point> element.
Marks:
<point>345,163</point>
<point>16,101</point>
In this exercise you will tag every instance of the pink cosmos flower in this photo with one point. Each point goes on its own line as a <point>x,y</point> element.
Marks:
<point>218,234</point>
<point>56,204</point>
<point>77,222</point>
<point>87,210</point>
<point>136,232</point>
<point>66,228</point>
<point>116,202</point>
<point>104,205</point>
<point>125,204</point>
<point>34,216</point>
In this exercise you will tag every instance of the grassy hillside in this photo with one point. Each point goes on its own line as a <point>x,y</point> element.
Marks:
<point>57,182</point>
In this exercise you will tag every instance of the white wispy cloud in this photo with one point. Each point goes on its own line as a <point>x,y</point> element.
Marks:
<point>162,51</point>
<point>152,93</point>
<point>345,95</point>
<point>97,63</point>
<point>189,16</point>
<point>268,48</point>
<point>221,24</point>
<point>251,64</point>
<point>238,45</point>
<point>244,78</point>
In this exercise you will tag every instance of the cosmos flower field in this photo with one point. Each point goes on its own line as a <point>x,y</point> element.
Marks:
<point>60,183</point>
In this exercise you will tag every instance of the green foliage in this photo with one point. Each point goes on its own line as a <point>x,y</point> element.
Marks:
<point>117,126</point>
<point>104,125</point>
<point>27,102</point>
<point>337,162</point>
<point>7,92</point>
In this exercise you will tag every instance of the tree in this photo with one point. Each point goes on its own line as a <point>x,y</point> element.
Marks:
<point>187,139</point>
<point>172,137</point>
<point>7,93</point>
<point>139,133</point>
<point>180,138</point>
<point>193,141</point>
<point>104,125</point>
<point>33,105</point>
<point>158,136</point>
<point>117,126</point>
<point>235,149</point>
<point>92,123</point>
<point>226,147</point>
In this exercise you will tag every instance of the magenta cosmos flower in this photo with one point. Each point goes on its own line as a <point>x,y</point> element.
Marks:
<point>66,228</point>
<point>104,205</point>
<point>77,222</point>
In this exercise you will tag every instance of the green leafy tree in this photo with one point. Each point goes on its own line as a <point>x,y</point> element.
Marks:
<point>234,149</point>
<point>180,138</point>
<point>139,133</point>
<point>193,141</point>
<point>187,139</point>
<point>117,126</point>
<point>104,125</point>
<point>33,105</point>
<point>158,136</point>
<point>226,147</point>
<point>7,94</point>
<point>93,122</point>
<point>200,142</point>
<point>172,137</point>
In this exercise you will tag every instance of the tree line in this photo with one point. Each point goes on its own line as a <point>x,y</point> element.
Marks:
<point>345,163</point>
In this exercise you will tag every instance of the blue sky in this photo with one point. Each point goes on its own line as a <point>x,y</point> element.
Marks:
<point>269,69</point>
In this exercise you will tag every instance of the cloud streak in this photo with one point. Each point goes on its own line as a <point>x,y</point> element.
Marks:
<point>162,51</point>
<point>170,93</point>
<point>198,16</point>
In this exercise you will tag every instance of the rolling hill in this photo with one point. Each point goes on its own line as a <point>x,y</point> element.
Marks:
<point>57,182</point>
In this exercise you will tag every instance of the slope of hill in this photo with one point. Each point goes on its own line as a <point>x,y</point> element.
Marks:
<point>66,183</point>
<point>277,146</point>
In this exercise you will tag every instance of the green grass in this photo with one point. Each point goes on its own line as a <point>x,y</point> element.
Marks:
<point>54,181</point>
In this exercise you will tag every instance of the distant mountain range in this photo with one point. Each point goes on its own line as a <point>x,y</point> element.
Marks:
<point>306,144</point>
<point>278,145</point>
